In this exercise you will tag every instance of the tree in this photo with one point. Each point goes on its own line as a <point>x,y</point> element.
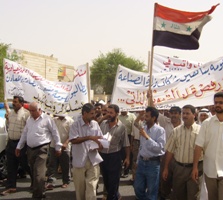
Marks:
<point>11,56</point>
<point>104,68</point>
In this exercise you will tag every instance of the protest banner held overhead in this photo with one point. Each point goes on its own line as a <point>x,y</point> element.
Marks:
<point>175,82</point>
<point>54,97</point>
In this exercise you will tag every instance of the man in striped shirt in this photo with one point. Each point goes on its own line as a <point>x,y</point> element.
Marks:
<point>180,146</point>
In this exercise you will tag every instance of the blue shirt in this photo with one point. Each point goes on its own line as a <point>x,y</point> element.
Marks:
<point>154,146</point>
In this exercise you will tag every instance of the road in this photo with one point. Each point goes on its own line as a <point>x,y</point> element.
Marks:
<point>58,193</point>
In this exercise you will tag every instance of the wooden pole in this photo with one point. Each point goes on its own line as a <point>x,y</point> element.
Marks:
<point>88,82</point>
<point>150,60</point>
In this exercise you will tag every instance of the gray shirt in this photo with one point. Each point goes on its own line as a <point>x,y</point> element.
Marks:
<point>119,136</point>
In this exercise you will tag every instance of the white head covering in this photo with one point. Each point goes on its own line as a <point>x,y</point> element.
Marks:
<point>102,102</point>
<point>206,111</point>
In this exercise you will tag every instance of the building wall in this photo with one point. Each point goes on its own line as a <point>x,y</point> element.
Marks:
<point>46,66</point>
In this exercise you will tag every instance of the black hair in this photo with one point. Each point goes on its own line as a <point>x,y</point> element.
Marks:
<point>218,94</point>
<point>153,112</point>
<point>87,108</point>
<point>115,107</point>
<point>98,104</point>
<point>192,108</point>
<point>21,100</point>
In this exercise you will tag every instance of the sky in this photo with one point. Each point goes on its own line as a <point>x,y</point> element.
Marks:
<point>78,31</point>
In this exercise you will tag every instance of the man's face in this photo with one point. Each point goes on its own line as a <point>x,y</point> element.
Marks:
<point>35,113</point>
<point>148,118</point>
<point>203,116</point>
<point>16,104</point>
<point>124,113</point>
<point>218,104</point>
<point>98,110</point>
<point>104,110</point>
<point>112,115</point>
<point>188,117</point>
<point>174,116</point>
<point>89,116</point>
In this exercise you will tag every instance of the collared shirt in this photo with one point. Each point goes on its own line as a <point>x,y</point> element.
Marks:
<point>40,131</point>
<point>166,123</point>
<point>119,136</point>
<point>182,143</point>
<point>81,152</point>
<point>16,123</point>
<point>154,146</point>
<point>63,127</point>
<point>135,131</point>
<point>210,138</point>
<point>127,120</point>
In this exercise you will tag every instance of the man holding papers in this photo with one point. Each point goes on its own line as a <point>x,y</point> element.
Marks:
<point>111,166</point>
<point>86,159</point>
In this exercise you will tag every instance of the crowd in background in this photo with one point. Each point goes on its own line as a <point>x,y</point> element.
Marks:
<point>172,154</point>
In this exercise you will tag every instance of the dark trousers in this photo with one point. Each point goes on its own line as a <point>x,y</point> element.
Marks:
<point>63,160</point>
<point>111,171</point>
<point>126,170</point>
<point>37,159</point>
<point>166,185</point>
<point>184,188</point>
<point>13,162</point>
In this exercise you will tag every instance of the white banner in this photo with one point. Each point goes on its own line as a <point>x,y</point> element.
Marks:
<point>175,82</point>
<point>54,97</point>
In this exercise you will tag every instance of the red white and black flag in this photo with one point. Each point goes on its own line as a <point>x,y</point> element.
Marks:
<point>178,29</point>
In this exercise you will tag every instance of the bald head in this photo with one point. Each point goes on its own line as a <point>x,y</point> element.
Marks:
<point>35,110</point>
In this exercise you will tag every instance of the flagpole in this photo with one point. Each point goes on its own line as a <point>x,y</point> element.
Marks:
<point>6,105</point>
<point>88,82</point>
<point>150,60</point>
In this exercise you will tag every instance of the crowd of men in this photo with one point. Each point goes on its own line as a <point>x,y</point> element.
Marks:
<point>177,154</point>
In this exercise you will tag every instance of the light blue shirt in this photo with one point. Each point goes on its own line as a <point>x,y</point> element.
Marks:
<point>154,146</point>
<point>81,152</point>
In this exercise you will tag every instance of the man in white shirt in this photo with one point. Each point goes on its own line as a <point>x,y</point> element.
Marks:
<point>86,170</point>
<point>210,140</point>
<point>38,133</point>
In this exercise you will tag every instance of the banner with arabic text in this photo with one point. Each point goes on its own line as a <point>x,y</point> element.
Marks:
<point>55,97</point>
<point>175,82</point>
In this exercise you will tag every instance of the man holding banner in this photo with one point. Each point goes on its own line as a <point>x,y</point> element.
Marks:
<point>152,141</point>
<point>16,121</point>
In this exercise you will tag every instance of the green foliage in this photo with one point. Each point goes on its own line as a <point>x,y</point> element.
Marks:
<point>104,68</point>
<point>4,54</point>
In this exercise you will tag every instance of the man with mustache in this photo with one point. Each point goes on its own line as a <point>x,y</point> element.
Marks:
<point>180,146</point>
<point>16,121</point>
<point>168,123</point>
<point>111,166</point>
<point>210,141</point>
<point>86,170</point>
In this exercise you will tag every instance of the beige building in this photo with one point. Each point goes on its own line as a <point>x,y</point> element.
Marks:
<point>47,66</point>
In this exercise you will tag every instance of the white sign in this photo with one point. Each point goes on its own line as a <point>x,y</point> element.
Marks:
<point>175,82</point>
<point>54,97</point>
